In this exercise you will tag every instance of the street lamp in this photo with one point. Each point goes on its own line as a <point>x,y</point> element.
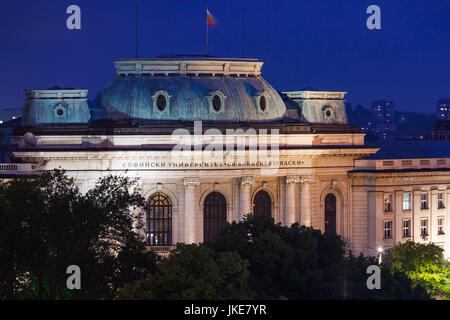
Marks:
<point>380,251</point>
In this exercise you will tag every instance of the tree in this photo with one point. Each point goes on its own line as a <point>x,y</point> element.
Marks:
<point>299,262</point>
<point>46,224</point>
<point>285,262</point>
<point>424,264</point>
<point>394,284</point>
<point>193,272</point>
<point>256,258</point>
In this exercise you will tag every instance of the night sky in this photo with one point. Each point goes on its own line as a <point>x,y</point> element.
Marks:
<point>322,44</point>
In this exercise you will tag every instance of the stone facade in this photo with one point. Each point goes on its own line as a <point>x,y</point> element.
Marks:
<point>316,169</point>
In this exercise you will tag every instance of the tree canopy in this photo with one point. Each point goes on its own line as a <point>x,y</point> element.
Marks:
<point>424,264</point>
<point>258,259</point>
<point>46,224</point>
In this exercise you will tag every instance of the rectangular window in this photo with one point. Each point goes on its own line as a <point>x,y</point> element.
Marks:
<point>406,228</point>
<point>441,200</point>
<point>424,201</point>
<point>407,201</point>
<point>440,223</point>
<point>388,229</point>
<point>424,227</point>
<point>388,202</point>
<point>407,163</point>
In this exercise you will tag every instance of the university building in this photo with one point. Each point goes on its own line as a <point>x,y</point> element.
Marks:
<point>211,141</point>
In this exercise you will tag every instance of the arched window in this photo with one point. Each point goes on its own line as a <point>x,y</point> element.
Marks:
<point>262,204</point>
<point>330,214</point>
<point>159,220</point>
<point>214,215</point>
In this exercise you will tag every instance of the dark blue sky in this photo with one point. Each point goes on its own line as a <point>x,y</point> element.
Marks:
<point>319,43</point>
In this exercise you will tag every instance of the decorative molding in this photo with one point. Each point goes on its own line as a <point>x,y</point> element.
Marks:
<point>257,98</point>
<point>209,66</point>
<point>293,179</point>
<point>307,179</point>
<point>61,105</point>
<point>155,96</point>
<point>222,98</point>
<point>329,114</point>
<point>191,182</point>
<point>246,182</point>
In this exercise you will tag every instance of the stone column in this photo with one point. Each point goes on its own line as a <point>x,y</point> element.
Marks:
<point>189,209</point>
<point>244,196</point>
<point>305,200</point>
<point>289,203</point>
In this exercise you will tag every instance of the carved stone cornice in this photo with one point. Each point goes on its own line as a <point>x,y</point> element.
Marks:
<point>307,179</point>
<point>191,182</point>
<point>293,179</point>
<point>246,182</point>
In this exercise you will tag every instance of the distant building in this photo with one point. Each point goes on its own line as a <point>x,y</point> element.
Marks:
<point>383,117</point>
<point>443,109</point>
<point>441,130</point>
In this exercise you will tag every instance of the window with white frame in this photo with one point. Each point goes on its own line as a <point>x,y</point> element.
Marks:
<point>406,228</point>
<point>424,201</point>
<point>406,201</point>
<point>441,200</point>
<point>440,224</point>
<point>388,202</point>
<point>388,229</point>
<point>424,227</point>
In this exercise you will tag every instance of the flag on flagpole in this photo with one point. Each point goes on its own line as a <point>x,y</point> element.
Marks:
<point>210,19</point>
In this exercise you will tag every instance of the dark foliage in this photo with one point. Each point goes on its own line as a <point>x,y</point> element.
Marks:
<point>46,224</point>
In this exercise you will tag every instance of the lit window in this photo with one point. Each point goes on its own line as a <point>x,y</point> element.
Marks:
<point>407,201</point>
<point>159,220</point>
<point>424,227</point>
<point>388,229</point>
<point>406,228</point>
<point>424,201</point>
<point>388,202</point>
<point>440,223</point>
<point>441,200</point>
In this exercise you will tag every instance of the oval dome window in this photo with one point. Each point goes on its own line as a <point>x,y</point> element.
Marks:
<point>161,102</point>
<point>217,103</point>
<point>262,103</point>
<point>60,112</point>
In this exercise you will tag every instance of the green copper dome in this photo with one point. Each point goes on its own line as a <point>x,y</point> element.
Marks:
<point>191,89</point>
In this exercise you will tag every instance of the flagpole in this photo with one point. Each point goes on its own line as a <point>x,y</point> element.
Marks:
<point>136,31</point>
<point>242,34</point>
<point>206,30</point>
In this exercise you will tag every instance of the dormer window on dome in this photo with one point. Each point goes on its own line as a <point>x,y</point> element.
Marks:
<point>60,110</point>
<point>262,102</point>
<point>161,102</point>
<point>328,113</point>
<point>216,101</point>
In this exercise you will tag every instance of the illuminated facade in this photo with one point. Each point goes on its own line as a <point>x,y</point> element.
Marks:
<point>211,141</point>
